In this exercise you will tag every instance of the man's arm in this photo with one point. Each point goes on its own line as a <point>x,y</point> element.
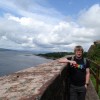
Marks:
<point>65,60</point>
<point>87,76</point>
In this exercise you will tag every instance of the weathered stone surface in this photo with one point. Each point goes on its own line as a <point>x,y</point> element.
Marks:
<point>29,83</point>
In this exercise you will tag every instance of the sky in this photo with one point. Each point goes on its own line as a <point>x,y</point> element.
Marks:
<point>49,25</point>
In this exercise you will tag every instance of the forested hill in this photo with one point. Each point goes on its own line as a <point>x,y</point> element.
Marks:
<point>55,55</point>
<point>2,49</point>
<point>94,52</point>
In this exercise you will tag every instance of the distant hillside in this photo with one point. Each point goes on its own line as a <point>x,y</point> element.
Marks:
<point>2,49</point>
<point>10,50</point>
<point>94,52</point>
<point>55,55</point>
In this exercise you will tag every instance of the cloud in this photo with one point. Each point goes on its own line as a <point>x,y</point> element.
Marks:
<point>90,19</point>
<point>32,27</point>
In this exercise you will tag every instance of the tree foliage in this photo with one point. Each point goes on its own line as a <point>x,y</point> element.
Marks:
<point>94,53</point>
<point>55,55</point>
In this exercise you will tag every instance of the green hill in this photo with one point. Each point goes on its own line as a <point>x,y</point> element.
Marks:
<point>55,55</point>
<point>94,52</point>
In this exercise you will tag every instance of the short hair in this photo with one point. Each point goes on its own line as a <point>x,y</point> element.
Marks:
<point>78,48</point>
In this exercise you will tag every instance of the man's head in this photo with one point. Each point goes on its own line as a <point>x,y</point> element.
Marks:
<point>78,50</point>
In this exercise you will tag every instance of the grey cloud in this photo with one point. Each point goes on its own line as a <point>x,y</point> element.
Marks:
<point>42,45</point>
<point>61,43</point>
<point>23,3</point>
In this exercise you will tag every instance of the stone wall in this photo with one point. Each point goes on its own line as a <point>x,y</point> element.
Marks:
<point>57,90</point>
<point>43,82</point>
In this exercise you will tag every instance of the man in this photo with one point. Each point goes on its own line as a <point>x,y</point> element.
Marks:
<point>79,74</point>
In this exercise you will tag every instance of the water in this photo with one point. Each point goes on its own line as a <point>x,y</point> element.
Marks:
<point>12,61</point>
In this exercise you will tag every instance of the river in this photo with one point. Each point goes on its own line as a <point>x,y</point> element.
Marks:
<point>12,61</point>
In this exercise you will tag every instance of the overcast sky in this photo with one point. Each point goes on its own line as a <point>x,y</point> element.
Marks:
<point>49,25</point>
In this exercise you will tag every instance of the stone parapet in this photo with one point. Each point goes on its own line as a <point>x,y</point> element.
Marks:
<point>43,82</point>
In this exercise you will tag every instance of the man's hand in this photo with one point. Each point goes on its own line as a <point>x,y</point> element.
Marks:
<point>64,60</point>
<point>85,86</point>
<point>72,62</point>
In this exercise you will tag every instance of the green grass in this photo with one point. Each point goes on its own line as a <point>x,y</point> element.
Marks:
<point>94,55</point>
